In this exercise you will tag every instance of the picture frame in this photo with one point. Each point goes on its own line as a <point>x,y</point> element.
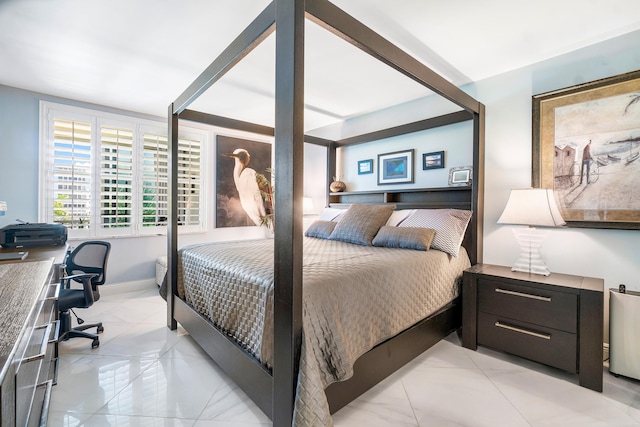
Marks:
<point>434,160</point>
<point>365,167</point>
<point>396,167</point>
<point>586,147</point>
<point>460,176</point>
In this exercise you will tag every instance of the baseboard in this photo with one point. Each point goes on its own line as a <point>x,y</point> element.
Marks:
<point>133,286</point>
<point>605,352</point>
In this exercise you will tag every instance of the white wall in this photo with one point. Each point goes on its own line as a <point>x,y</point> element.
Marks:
<point>455,140</point>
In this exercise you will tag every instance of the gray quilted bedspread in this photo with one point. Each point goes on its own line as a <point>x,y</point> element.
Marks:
<point>354,298</point>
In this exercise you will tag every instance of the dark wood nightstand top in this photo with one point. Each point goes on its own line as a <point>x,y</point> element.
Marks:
<point>554,279</point>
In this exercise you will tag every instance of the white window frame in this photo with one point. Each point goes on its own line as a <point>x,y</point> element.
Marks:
<point>50,110</point>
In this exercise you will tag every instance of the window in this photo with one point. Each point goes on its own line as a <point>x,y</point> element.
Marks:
<point>107,175</point>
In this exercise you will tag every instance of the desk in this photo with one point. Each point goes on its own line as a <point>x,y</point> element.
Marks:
<point>28,334</point>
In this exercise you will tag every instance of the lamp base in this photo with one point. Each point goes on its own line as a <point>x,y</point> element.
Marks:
<point>530,260</point>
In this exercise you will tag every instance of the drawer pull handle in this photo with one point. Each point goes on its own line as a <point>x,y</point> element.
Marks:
<point>522,294</point>
<point>43,346</point>
<point>45,403</point>
<point>523,331</point>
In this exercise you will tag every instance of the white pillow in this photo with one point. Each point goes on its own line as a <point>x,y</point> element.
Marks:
<point>398,216</point>
<point>331,214</point>
<point>450,226</point>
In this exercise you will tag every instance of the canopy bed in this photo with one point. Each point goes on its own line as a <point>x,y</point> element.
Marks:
<point>270,375</point>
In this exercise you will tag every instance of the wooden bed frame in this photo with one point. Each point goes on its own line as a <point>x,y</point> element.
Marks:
<point>274,392</point>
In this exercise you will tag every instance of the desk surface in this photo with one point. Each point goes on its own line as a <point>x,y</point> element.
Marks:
<point>20,286</point>
<point>21,282</point>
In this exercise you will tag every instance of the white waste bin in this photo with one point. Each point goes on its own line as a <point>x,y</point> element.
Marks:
<point>624,333</point>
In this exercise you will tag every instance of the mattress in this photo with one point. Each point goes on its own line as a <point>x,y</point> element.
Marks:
<point>354,298</point>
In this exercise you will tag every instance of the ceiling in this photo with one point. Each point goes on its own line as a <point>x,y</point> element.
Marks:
<point>140,55</point>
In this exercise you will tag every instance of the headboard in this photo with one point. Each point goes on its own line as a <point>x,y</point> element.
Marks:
<point>423,198</point>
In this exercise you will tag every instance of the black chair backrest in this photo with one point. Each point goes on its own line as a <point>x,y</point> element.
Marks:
<point>90,257</point>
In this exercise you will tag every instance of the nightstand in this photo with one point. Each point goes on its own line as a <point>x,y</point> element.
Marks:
<point>556,320</point>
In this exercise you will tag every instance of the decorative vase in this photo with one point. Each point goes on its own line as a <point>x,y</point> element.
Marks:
<point>337,186</point>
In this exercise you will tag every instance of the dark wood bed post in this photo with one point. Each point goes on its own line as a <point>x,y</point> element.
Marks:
<point>331,166</point>
<point>477,189</point>
<point>289,165</point>
<point>172,231</point>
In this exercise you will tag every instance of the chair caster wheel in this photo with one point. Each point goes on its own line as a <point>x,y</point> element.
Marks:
<point>100,329</point>
<point>95,343</point>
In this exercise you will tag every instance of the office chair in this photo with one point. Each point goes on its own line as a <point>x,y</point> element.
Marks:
<point>87,265</point>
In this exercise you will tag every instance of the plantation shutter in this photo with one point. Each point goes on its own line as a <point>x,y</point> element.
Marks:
<point>155,178</point>
<point>71,173</point>
<point>189,185</point>
<point>116,177</point>
<point>104,175</point>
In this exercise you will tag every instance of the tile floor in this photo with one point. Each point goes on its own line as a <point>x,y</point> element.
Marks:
<point>143,374</point>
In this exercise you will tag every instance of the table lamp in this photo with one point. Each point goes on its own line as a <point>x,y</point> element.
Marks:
<point>535,207</point>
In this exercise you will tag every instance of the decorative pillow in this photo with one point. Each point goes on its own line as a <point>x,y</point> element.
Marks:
<point>404,237</point>
<point>321,229</point>
<point>360,223</point>
<point>331,214</point>
<point>398,216</point>
<point>450,226</point>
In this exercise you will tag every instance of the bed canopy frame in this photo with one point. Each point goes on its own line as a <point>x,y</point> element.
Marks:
<point>274,391</point>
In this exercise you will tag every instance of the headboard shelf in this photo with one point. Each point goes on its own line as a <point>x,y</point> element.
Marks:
<point>408,198</point>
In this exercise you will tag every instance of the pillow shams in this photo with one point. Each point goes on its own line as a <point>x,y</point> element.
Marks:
<point>331,214</point>
<point>360,223</point>
<point>320,229</point>
<point>398,216</point>
<point>405,237</point>
<point>450,226</point>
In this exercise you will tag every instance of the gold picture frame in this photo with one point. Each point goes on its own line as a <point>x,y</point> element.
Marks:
<point>586,147</point>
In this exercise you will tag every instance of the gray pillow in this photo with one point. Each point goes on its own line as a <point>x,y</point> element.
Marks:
<point>320,229</point>
<point>405,237</point>
<point>360,223</point>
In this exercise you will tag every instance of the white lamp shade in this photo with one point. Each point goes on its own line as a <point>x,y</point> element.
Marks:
<point>307,206</point>
<point>533,207</point>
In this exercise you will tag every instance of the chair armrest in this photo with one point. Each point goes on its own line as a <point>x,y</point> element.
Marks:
<point>86,285</point>
<point>83,277</point>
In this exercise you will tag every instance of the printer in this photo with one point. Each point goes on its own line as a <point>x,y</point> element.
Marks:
<point>27,235</point>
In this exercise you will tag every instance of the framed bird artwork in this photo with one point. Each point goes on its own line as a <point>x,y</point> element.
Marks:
<point>244,194</point>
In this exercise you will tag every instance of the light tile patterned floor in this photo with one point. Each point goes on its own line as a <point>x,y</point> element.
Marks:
<point>143,374</point>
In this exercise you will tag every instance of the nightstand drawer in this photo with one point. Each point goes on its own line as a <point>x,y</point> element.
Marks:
<point>534,342</point>
<point>544,307</point>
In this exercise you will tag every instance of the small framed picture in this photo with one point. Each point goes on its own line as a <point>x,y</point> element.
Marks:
<point>396,167</point>
<point>365,166</point>
<point>433,160</point>
<point>460,176</point>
